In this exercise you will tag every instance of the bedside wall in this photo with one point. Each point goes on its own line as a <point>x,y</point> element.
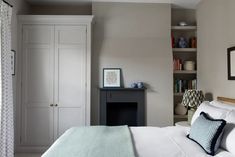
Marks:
<point>215,34</point>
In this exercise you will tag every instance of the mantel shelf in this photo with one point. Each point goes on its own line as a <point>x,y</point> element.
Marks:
<point>122,89</point>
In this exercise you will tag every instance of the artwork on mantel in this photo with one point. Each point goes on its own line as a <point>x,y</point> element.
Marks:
<point>231,63</point>
<point>111,77</point>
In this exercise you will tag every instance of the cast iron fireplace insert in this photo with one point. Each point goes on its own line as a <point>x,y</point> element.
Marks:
<point>122,106</point>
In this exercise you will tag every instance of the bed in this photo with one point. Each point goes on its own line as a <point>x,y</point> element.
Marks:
<point>102,141</point>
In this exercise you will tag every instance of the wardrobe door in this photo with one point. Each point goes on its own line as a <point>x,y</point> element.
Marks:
<point>70,77</point>
<point>37,85</point>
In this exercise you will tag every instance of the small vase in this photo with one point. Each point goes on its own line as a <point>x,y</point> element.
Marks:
<point>134,85</point>
<point>190,115</point>
<point>182,43</point>
<point>189,65</point>
<point>140,84</point>
<point>180,109</point>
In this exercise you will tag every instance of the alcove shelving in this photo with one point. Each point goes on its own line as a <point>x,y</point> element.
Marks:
<point>183,79</point>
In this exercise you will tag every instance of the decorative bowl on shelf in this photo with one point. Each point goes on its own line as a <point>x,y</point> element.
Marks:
<point>183,23</point>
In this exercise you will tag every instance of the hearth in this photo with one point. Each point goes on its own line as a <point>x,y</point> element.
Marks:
<point>122,106</point>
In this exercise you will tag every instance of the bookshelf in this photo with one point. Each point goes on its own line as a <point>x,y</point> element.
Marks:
<point>178,94</point>
<point>183,79</point>
<point>183,28</point>
<point>184,49</point>
<point>180,116</point>
<point>185,72</point>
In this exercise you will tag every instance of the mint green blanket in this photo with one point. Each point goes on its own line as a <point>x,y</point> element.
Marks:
<point>94,141</point>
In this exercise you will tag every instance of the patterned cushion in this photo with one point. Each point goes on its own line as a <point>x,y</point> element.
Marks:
<point>207,132</point>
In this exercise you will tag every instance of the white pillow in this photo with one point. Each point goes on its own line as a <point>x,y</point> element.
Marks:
<point>228,140</point>
<point>212,111</point>
<point>222,105</point>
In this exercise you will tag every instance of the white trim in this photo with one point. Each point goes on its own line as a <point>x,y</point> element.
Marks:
<point>56,19</point>
<point>88,75</point>
<point>53,20</point>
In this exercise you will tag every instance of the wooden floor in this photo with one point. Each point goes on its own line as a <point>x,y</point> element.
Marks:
<point>27,155</point>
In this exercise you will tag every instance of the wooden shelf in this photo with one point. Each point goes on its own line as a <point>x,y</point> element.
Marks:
<point>181,116</point>
<point>178,94</point>
<point>184,50</point>
<point>185,72</point>
<point>184,28</point>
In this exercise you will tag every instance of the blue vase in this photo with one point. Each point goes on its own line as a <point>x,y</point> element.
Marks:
<point>140,84</point>
<point>134,85</point>
<point>182,43</point>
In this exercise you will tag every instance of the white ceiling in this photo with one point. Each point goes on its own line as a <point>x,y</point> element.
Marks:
<point>190,4</point>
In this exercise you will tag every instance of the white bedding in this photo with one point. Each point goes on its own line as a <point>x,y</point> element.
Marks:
<point>167,142</point>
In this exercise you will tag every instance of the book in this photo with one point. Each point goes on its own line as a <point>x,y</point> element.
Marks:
<point>180,86</point>
<point>177,64</point>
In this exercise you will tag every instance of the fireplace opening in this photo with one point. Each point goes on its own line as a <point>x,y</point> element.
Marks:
<point>121,113</point>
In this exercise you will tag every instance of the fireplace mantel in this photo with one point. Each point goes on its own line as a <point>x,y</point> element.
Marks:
<point>122,106</point>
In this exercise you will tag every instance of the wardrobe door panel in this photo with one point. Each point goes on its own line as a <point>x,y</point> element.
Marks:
<point>38,127</point>
<point>73,35</point>
<point>38,34</point>
<point>70,77</point>
<point>37,85</point>
<point>69,117</point>
<point>38,75</point>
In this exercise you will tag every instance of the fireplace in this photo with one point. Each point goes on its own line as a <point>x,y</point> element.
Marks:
<point>122,106</point>
<point>121,113</point>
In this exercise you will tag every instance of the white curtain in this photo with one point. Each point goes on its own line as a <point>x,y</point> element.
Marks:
<point>6,93</point>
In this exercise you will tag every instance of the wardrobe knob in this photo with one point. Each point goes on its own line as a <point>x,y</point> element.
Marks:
<point>51,105</point>
<point>56,105</point>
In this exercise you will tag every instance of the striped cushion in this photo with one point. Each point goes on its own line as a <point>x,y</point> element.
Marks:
<point>207,132</point>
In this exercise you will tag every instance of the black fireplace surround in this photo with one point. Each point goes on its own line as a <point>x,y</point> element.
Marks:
<point>122,106</point>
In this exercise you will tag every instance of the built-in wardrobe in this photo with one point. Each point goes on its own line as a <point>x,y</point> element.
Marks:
<point>53,78</point>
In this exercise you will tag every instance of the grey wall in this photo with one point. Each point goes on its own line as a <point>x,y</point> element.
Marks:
<point>216,33</point>
<point>20,7</point>
<point>136,38</point>
<point>82,9</point>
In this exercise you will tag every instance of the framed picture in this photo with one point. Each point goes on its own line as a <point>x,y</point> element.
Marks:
<point>13,58</point>
<point>111,77</point>
<point>231,63</point>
